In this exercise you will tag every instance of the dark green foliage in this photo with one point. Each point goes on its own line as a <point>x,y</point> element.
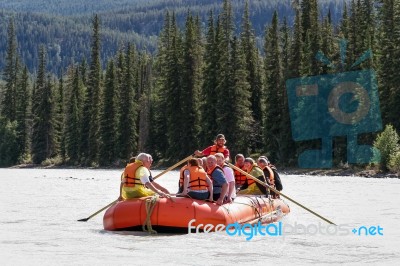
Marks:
<point>42,112</point>
<point>387,142</point>
<point>240,121</point>
<point>191,84</point>
<point>11,69</point>
<point>8,142</point>
<point>274,91</point>
<point>208,96</point>
<point>22,112</point>
<point>90,125</point>
<point>173,91</point>
<point>296,52</point>
<point>195,87</point>
<point>73,116</point>
<point>158,141</point>
<point>108,121</point>
<point>224,37</point>
<point>253,77</point>
<point>145,88</point>
<point>128,107</point>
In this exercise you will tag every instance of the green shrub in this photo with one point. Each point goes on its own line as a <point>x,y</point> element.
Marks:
<point>57,160</point>
<point>387,143</point>
<point>394,162</point>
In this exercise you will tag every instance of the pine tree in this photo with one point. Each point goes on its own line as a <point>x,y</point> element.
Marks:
<point>327,44</point>
<point>240,121</point>
<point>59,145</point>
<point>145,89</point>
<point>209,101</point>
<point>22,112</point>
<point>128,116</point>
<point>73,116</point>
<point>158,141</point>
<point>8,109</point>
<point>296,53</point>
<point>344,24</point>
<point>310,38</point>
<point>252,60</point>
<point>225,29</point>
<point>389,61</point>
<point>108,118</point>
<point>395,103</point>
<point>42,111</point>
<point>287,144</point>
<point>90,122</point>
<point>274,91</point>
<point>191,85</point>
<point>173,91</point>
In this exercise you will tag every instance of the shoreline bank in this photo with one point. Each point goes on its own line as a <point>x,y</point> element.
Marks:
<point>368,173</point>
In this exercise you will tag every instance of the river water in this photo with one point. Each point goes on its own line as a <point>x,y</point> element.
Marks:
<point>39,209</point>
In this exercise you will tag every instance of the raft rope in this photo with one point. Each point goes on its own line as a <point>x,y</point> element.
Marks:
<point>150,204</point>
<point>254,205</point>
<point>271,205</point>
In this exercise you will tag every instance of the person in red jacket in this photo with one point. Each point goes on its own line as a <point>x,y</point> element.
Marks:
<point>219,146</point>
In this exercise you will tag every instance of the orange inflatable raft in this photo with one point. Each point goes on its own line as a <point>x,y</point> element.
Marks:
<point>182,214</point>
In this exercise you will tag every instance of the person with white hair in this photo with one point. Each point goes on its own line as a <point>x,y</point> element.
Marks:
<point>137,181</point>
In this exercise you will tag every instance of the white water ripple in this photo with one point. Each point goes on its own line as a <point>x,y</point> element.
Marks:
<point>39,209</point>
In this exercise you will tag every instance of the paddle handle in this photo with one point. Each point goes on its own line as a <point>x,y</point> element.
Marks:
<point>173,166</point>
<point>279,193</point>
<point>102,209</point>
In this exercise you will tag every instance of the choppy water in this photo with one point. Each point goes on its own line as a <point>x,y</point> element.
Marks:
<point>39,210</point>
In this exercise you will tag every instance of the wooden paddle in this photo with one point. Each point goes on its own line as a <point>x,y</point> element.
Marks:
<point>157,176</point>
<point>279,193</point>
<point>174,166</point>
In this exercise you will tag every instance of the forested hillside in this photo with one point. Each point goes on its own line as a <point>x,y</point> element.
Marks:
<point>205,77</point>
<point>63,26</point>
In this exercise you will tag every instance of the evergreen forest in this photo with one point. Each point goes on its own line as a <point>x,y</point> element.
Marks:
<point>207,74</point>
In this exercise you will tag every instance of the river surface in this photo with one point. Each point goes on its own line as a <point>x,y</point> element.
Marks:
<point>39,209</point>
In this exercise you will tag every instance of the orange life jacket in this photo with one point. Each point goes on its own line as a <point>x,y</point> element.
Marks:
<point>215,149</point>
<point>271,175</point>
<point>240,178</point>
<point>250,180</point>
<point>211,171</point>
<point>198,178</point>
<point>130,179</point>
<point>181,177</point>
